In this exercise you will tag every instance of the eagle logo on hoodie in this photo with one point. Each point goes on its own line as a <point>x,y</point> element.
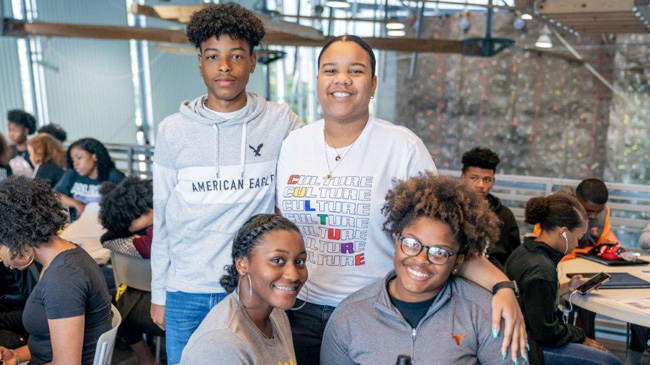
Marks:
<point>256,151</point>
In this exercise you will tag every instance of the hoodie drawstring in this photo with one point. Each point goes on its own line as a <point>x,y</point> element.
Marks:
<point>242,159</point>
<point>216,147</point>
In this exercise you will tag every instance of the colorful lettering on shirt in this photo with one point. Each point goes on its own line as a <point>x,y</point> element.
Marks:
<point>85,193</point>
<point>337,212</point>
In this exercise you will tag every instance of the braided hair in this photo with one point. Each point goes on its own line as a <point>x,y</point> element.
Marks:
<point>251,233</point>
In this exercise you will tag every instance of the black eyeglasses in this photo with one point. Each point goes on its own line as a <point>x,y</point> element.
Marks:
<point>412,247</point>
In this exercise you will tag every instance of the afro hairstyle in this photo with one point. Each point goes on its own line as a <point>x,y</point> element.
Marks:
<point>231,19</point>
<point>483,158</point>
<point>123,203</point>
<point>23,119</point>
<point>447,200</point>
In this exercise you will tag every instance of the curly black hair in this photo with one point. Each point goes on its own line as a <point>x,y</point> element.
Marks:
<point>593,190</point>
<point>55,131</point>
<point>123,203</point>
<point>23,119</point>
<point>94,147</point>
<point>250,233</point>
<point>467,214</point>
<point>483,158</point>
<point>230,19</point>
<point>30,212</point>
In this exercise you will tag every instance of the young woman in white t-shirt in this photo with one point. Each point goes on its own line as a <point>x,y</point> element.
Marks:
<point>333,176</point>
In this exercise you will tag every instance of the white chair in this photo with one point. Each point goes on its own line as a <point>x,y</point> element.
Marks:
<point>135,273</point>
<point>106,342</point>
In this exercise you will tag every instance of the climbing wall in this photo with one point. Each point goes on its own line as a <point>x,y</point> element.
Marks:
<point>544,116</point>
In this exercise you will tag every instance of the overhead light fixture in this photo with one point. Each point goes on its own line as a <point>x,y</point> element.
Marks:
<point>544,40</point>
<point>394,24</point>
<point>396,33</point>
<point>526,17</point>
<point>339,4</point>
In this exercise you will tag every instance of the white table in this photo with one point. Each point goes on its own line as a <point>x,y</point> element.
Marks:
<point>86,232</point>
<point>604,301</point>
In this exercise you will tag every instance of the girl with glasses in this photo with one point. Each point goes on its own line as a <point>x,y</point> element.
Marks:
<point>426,310</point>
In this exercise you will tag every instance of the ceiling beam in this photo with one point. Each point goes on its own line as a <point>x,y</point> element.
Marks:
<point>182,14</point>
<point>12,27</point>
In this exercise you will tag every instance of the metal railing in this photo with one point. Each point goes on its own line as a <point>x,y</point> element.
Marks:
<point>630,204</point>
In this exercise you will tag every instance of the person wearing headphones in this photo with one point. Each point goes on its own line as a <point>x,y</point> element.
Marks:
<point>533,265</point>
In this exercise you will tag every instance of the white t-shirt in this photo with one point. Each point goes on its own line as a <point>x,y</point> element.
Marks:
<point>340,218</point>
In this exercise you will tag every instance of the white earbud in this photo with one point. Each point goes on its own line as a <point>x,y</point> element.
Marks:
<point>566,242</point>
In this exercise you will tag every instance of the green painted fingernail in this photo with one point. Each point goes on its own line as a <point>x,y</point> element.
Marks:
<point>526,357</point>
<point>527,347</point>
<point>495,333</point>
<point>516,361</point>
<point>504,356</point>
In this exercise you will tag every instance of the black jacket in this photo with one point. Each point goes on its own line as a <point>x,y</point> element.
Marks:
<point>534,266</point>
<point>499,251</point>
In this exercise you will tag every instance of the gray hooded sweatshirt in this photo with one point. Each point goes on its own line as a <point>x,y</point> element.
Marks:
<point>366,328</point>
<point>210,175</point>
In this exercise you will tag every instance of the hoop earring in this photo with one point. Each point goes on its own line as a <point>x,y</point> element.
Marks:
<point>31,261</point>
<point>303,302</point>
<point>250,288</point>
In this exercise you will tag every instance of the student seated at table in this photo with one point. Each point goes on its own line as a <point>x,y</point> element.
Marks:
<point>421,308</point>
<point>533,266</point>
<point>479,166</point>
<point>89,165</point>
<point>250,326</point>
<point>69,307</point>
<point>47,155</point>
<point>593,196</point>
<point>126,211</point>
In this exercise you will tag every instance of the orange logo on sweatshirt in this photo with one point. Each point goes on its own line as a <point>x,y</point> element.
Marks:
<point>457,338</point>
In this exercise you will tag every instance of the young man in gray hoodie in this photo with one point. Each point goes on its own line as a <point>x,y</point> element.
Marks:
<point>214,167</point>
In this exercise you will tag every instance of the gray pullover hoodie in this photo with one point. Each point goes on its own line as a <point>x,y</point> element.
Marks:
<point>366,328</point>
<point>210,175</point>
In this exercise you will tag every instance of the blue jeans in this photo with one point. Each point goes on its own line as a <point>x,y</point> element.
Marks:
<point>184,312</point>
<point>307,328</point>
<point>578,354</point>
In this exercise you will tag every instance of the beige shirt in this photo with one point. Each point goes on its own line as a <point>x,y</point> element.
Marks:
<point>228,336</point>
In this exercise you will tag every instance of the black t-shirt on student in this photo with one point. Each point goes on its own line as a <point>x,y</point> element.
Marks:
<point>412,312</point>
<point>50,173</point>
<point>73,285</point>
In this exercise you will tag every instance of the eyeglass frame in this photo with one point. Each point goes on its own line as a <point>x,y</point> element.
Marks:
<point>422,246</point>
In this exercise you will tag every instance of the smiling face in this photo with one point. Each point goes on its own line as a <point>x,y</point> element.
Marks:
<point>83,162</point>
<point>481,180</point>
<point>277,269</point>
<point>225,65</point>
<point>345,82</point>
<point>418,279</point>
